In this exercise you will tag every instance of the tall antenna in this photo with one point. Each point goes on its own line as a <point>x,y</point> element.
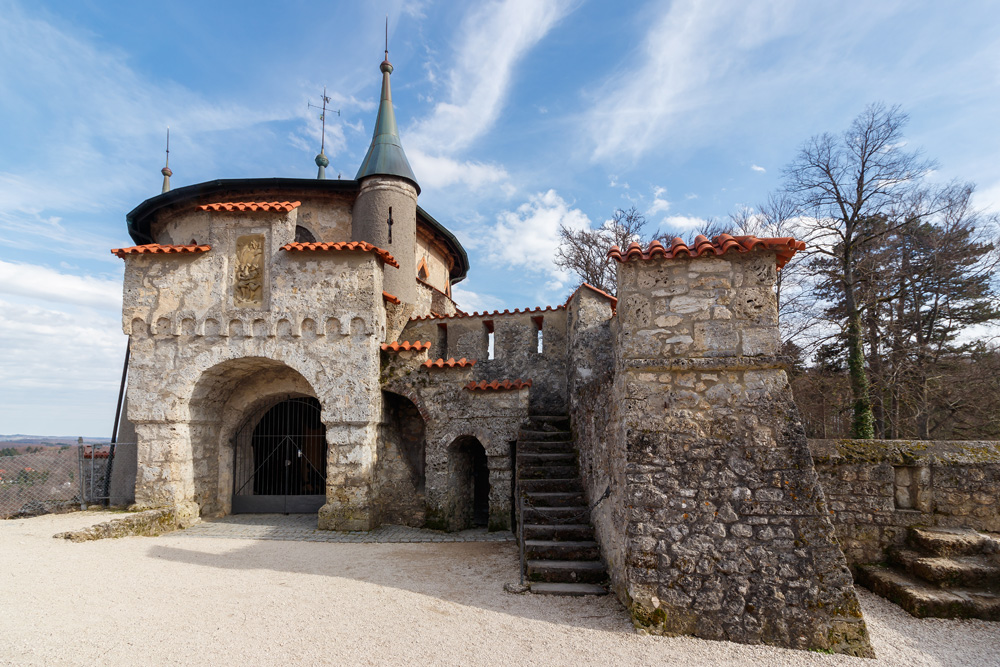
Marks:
<point>321,160</point>
<point>166,168</point>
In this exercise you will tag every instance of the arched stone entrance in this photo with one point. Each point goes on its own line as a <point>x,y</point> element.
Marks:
<point>469,484</point>
<point>400,471</point>
<point>280,459</point>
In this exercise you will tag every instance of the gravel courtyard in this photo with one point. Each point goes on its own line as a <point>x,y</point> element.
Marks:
<point>197,599</point>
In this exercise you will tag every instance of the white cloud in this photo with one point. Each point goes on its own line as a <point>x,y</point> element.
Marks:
<point>683,223</point>
<point>470,301</point>
<point>440,172</point>
<point>527,237</point>
<point>495,37</point>
<point>659,205</point>
<point>758,168</point>
<point>42,283</point>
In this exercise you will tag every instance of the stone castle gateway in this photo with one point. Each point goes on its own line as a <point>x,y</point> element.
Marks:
<point>295,348</point>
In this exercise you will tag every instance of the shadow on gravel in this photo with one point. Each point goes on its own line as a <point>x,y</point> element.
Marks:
<point>466,573</point>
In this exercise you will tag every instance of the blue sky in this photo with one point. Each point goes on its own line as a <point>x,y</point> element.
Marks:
<point>516,115</point>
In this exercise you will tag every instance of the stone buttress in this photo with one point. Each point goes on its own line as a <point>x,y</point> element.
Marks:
<point>728,535</point>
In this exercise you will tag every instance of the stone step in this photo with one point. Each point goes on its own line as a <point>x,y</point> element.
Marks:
<point>567,571</point>
<point>954,571</point>
<point>951,541</point>
<point>547,472</point>
<point>555,499</point>
<point>546,458</point>
<point>560,422</point>
<point>571,532</point>
<point>543,588</point>
<point>544,436</point>
<point>923,600</point>
<point>562,549</point>
<point>542,446</point>
<point>556,515</point>
<point>568,485</point>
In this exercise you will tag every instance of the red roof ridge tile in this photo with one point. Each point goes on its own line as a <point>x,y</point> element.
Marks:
<point>451,363</point>
<point>390,298</point>
<point>363,246</point>
<point>784,246</point>
<point>497,385</point>
<point>243,206</point>
<point>157,249</point>
<point>406,346</point>
<point>516,311</point>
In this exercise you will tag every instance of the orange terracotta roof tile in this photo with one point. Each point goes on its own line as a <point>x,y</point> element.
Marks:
<point>243,206</point>
<point>157,249</point>
<point>498,385</point>
<point>343,245</point>
<point>451,363</point>
<point>786,247</point>
<point>516,311</point>
<point>406,346</point>
<point>390,298</point>
<point>613,300</point>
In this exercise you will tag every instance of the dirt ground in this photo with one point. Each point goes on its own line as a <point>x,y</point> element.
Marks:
<point>184,600</point>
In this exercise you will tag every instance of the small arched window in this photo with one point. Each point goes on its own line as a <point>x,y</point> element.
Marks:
<point>303,235</point>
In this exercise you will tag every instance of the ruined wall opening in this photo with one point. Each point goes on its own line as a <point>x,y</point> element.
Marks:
<point>470,483</point>
<point>400,471</point>
<point>280,459</point>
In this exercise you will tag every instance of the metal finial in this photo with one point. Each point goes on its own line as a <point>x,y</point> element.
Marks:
<point>166,168</point>
<point>321,160</point>
<point>387,37</point>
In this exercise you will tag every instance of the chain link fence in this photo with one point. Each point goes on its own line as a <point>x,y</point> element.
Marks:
<point>42,480</point>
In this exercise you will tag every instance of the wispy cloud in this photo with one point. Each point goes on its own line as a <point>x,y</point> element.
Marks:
<point>45,284</point>
<point>758,168</point>
<point>659,205</point>
<point>689,46</point>
<point>440,172</point>
<point>495,38</point>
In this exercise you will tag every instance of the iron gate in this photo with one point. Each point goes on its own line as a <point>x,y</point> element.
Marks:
<point>280,459</point>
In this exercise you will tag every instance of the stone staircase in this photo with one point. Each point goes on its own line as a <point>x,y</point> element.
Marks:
<point>942,573</point>
<point>562,557</point>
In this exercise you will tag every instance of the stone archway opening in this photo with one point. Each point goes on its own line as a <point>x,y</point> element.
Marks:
<point>280,459</point>
<point>470,483</point>
<point>400,472</point>
<point>234,398</point>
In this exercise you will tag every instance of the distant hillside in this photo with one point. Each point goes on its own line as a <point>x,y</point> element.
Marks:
<point>19,439</point>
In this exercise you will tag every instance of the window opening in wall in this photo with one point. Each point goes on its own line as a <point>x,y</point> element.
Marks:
<point>442,341</point>
<point>538,328</point>
<point>422,270</point>
<point>303,235</point>
<point>488,326</point>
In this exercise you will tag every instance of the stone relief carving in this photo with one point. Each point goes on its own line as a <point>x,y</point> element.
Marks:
<point>248,290</point>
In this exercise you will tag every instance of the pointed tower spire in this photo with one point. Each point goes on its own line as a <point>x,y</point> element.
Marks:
<point>166,168</point>
<point>385,155</point>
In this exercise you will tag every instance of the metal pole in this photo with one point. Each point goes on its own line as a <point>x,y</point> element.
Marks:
<point>83,488</point>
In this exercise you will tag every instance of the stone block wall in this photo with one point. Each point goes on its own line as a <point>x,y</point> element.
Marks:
<point>877,489</point>
<point>726,531</point>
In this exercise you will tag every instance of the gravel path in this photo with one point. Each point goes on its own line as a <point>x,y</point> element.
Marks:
<point>184,599</point>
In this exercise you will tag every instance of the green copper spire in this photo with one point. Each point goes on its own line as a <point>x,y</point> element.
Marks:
<point>385,155</point>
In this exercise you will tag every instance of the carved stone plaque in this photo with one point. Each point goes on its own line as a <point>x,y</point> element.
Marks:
<point>248,287</point>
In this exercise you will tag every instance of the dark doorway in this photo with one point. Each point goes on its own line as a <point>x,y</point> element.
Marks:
<point>470,479</point>
<point>400,477</point>
<point>280,459</point>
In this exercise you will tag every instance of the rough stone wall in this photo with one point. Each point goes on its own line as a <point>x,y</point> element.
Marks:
<point>400,465</point>
<point>452,413</point>
<point>594,416</point>
<point>728,534</point>
<point>199,361</point>
<point>515,349</point>
<point>370,219</point>
<point>876,489</point>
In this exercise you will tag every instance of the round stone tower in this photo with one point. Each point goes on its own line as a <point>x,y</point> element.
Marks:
<point>385,212</point>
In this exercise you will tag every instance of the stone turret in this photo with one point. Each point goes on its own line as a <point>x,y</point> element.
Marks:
<point>385,212</point>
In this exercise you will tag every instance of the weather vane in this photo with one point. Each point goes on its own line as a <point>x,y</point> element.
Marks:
<point>387,37</point>
<point>166,168</point>
<point>321,160</point>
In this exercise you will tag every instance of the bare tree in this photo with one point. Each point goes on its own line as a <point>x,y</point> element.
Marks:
<point>854,189</point>
<point>585,252</point>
